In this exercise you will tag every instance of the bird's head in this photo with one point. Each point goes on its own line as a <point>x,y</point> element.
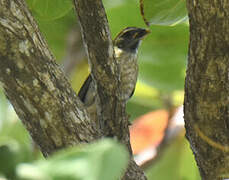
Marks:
<point>129,38</point>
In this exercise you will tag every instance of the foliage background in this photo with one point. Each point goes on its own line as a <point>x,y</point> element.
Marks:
<point>162,61</point>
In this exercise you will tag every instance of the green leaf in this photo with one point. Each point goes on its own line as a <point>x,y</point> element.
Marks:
<point>50,9</point>
<point>109,4</point>
<point>9,156</point>
<point>103,160</point>
<point>125,15</point>
<point>163,12</point>
<point>162,58</point>
<point>56,32</point>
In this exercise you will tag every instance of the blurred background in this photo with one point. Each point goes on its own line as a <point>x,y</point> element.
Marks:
<point>157,131</point>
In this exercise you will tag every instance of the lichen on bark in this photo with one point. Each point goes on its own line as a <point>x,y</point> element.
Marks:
<point>207,87</point>
<point>35,84</point>
<point>39,91</point>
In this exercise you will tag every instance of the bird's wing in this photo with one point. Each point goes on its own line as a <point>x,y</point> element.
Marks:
<point>132,93</point>
<point>84,89</point>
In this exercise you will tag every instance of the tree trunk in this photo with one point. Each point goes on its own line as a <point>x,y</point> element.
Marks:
<point>206,105</point>
<point>41,95</point>
<point>35,85</point>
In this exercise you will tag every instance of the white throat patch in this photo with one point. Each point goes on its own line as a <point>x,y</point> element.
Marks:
<point>118,51</point>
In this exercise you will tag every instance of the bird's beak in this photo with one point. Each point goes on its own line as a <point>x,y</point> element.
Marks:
<point>148,31</point>
<point>145,32</point>
<point>141,33</point>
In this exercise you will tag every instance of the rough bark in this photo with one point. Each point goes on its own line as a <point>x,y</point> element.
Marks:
<point>37,88</point>
<point>206,105</point>
<point>111,111</point>
<point>39,91</point>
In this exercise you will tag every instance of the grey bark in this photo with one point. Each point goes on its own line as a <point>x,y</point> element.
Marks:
<point>39,91</point>
<point>35,85</point>
<point>206,105</point>
<point>111,110</point>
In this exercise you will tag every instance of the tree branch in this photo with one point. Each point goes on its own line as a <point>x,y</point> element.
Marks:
<point>35,85</point>
<point>97,40</point>
<point>111,110</point>
<point>207,87</point>
<point>39,91</point>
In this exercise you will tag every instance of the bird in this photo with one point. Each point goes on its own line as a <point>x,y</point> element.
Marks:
<point>126,45</point>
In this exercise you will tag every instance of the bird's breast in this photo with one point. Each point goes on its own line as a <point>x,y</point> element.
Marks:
<point>128,66</point>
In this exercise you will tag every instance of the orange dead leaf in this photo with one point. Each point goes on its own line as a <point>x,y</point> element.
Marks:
<point>148,130</point>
